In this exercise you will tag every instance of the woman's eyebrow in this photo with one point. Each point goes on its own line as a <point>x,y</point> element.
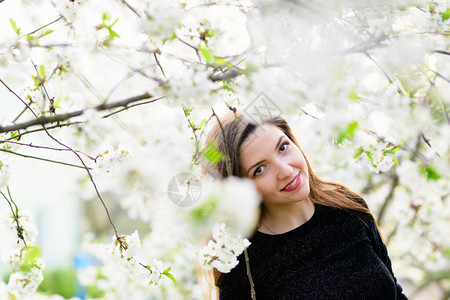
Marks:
<point>261,161</point>
<point>279,142</point>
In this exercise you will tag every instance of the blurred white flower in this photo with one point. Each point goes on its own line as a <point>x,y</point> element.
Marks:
<point>233,200</point>
<point>161,18</point>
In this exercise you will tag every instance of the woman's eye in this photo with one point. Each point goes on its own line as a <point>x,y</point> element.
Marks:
<point>284,146</point>
<point>258,171</point>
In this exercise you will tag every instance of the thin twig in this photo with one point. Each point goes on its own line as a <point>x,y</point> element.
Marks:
<point>50,46</point>
<point>130,106</point>
<point>381,69</point>
<point>125,78</point>
<point>225,146</point>
<point>42,27</point>
<point>43,159</point>
<point>131,8</point>
<point>17,136</point>
<point>249,275</point>
<point>90,87</point>
<point>21,113</point>
<point>193,47</point>
<point>41,147</point>
<point>159,64</point>
<point>197,151</point>
<point>44,90</point>
<point>19,229</point>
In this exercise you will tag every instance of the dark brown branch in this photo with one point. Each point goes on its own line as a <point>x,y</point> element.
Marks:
<point>387,200</point>
<point>131,8</point>
<point>63,117</point>
<point>227,75</point>
<point>442,52</point>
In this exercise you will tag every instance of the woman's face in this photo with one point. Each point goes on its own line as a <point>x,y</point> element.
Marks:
<point>276,165</point>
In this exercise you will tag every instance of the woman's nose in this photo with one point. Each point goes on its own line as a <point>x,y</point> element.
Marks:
<point>284,169</point>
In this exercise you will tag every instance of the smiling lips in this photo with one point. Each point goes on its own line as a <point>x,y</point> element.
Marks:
<point>293,184</point>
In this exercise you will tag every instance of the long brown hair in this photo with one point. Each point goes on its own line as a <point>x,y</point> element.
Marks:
<point>233,129</point>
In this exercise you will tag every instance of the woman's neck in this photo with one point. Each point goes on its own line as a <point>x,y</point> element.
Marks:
<point>281,218</point>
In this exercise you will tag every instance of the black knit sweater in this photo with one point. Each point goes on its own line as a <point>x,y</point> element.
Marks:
<point>334,255</point>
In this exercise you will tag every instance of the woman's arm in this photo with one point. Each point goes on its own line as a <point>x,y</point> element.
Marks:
<point>381,250</point>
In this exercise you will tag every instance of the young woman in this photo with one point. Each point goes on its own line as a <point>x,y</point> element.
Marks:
<point>316,239</point>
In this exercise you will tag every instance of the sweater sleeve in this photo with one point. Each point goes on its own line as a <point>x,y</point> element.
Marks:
<point>381,250</point>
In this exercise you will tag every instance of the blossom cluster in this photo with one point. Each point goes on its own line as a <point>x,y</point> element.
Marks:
<point>107,161</point>
<point>380,156</point>
<point>222,251</point>
<point>125,250</point>
<point>21,255</point>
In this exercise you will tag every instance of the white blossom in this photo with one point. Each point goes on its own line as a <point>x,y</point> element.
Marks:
<point>107,161</point>
<point>222,251</point>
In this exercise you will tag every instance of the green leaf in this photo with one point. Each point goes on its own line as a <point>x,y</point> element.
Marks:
<point>57,101</point>
<point>445,15</point>
<point>430,173</point>
<point>211,33</point>
<point>353,96</point>
<point>358,152</point>
<point>202,123</point>
<point>113,34</point>
<point>370,156</point>
<point>46,33</point>
<point>219,61</point>
<point>206,54</point>
<point>36,81</point>
<point>42,71</point>
<point>213,154</point>
<point>114,22</point>
<point>228,87</point>
<point>14,26</point>
<point>166,272</point>
<point>393,150</point>
<point>395,160</point>
<point>249,68</point>
<point>174,36</point>
<point>447,253</point>
<point>204,209</point>
<point>348,132</point>
<point>187,111</point>
<point>31,254</point>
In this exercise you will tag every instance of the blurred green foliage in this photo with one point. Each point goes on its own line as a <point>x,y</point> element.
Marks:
<point>59,281</point>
